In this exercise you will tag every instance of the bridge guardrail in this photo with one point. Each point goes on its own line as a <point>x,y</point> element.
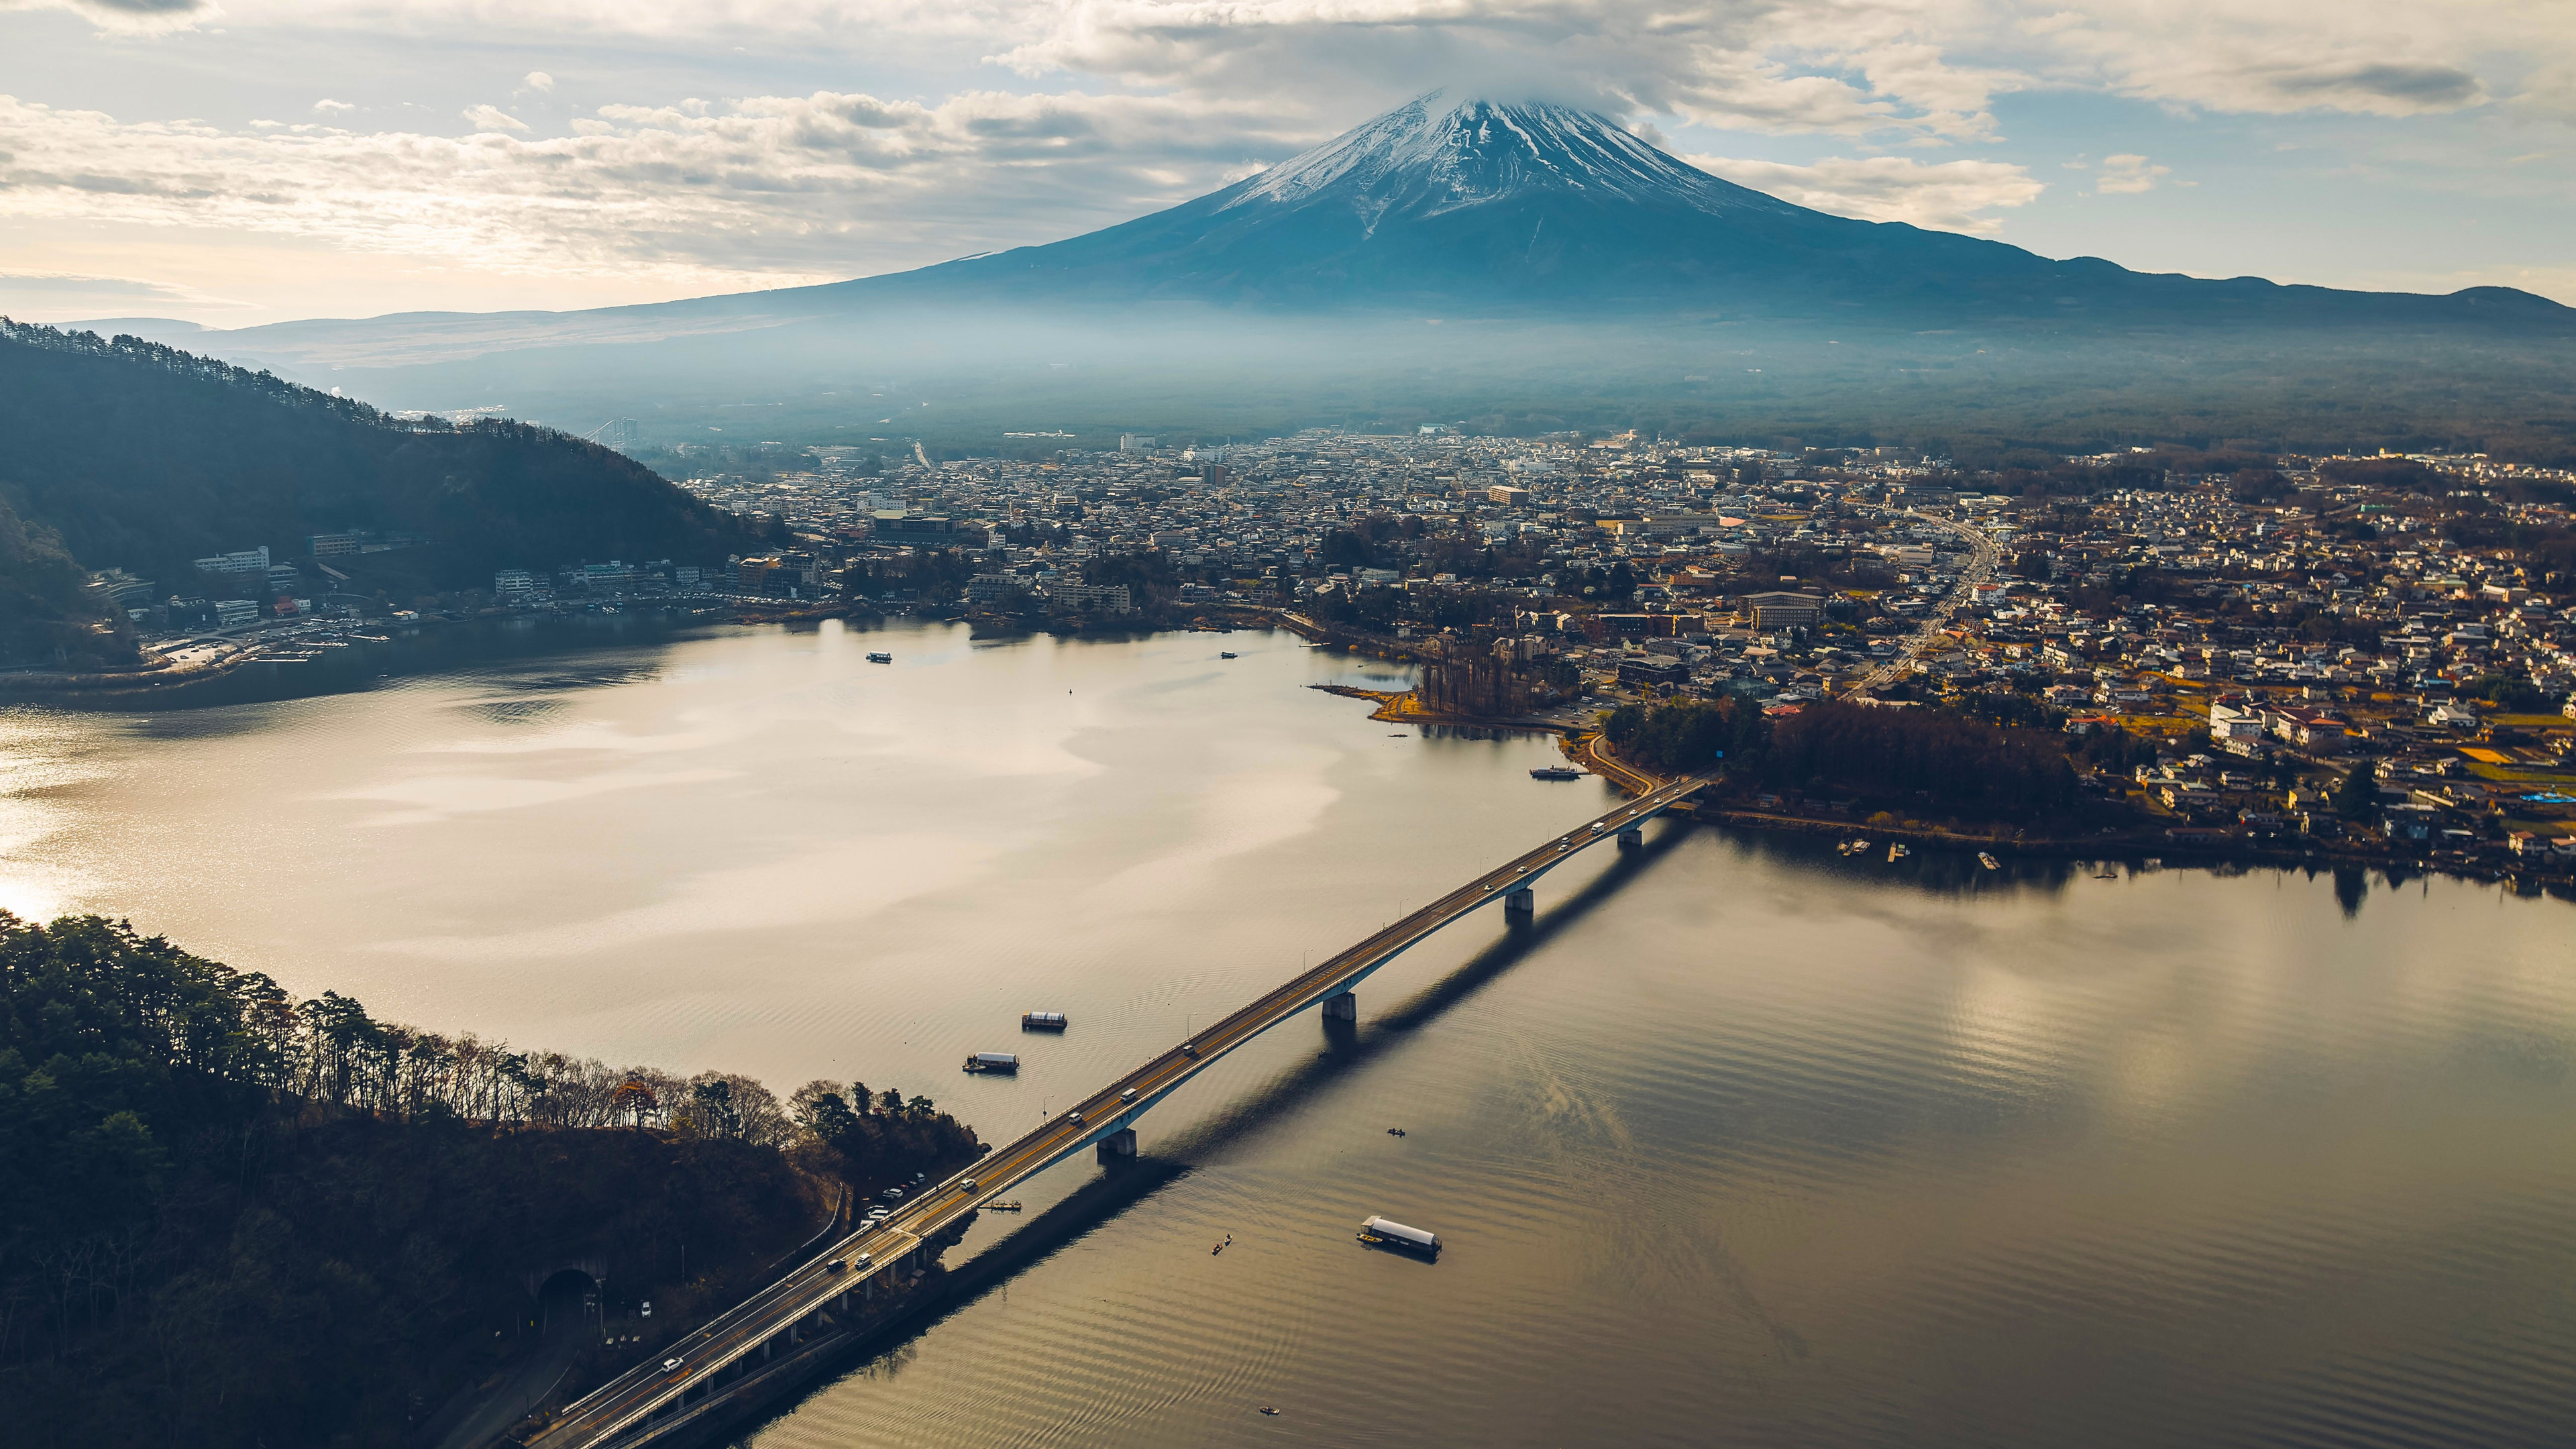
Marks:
<point>623,1403</point>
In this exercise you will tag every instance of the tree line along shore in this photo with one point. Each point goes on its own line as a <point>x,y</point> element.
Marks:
<point>1941,776</point>
<point>279,1221</point>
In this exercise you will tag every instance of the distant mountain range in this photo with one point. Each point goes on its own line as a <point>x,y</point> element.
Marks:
<point>1533,221</point>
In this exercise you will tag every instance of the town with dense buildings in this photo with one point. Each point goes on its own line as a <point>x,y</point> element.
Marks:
<point>2367,653</point>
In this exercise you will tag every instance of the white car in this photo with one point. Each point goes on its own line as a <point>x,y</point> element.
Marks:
<point>670,1364</point>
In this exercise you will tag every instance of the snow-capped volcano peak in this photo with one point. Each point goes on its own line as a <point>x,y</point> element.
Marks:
<point>1438,154</point>
<point>1472,201</point>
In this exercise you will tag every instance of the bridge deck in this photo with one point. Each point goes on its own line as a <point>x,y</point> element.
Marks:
<point>740,1331</point>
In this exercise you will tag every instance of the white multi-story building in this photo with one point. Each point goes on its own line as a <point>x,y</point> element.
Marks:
<point>248,563</point>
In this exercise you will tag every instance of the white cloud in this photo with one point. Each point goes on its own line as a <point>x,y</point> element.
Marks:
<point>1157,100</point>
<point>129,17</point>
<point>2549,92</point>
<point>2127,175</point>
<point>768,189</point>
<point>1949,195</point>
<point>2368,57</point>
<point>1771,65</point>
<point>67,296</point>
<point>1926,67</point>
<point>2557,281</point>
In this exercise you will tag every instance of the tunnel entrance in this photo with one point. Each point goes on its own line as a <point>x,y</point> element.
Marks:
<point>568,1301</point>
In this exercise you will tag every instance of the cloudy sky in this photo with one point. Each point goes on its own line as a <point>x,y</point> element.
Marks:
<point>241,161</point>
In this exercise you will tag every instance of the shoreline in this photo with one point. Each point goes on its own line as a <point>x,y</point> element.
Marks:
<point>2128,847</point>
<point>1590,752</point>
<point>166,683</point>
<point>347,660</point>
<point>306,670</point>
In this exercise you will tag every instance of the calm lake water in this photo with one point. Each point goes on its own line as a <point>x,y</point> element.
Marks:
<point>1739,1143</point>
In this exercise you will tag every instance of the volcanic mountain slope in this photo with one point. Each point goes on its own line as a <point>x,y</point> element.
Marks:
<point>1466,207</point>
<point>1484,207</point>
<point>1574,272</point>
<point>1480,206</point>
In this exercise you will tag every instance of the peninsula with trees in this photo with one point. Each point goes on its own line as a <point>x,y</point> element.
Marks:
<point>274,1220</point>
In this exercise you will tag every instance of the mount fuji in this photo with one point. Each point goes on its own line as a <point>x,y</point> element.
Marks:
<point>1480,207</point>
<point>1573,243</point>
<point>1473,203</point>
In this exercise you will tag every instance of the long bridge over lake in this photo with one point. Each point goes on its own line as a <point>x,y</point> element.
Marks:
<point>645,1401</point>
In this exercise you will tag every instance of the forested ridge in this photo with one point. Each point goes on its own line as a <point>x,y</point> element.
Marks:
<point>44,605</point>
<point>143,457</point>
<point>231,1217</point>
<point>1828,746</point>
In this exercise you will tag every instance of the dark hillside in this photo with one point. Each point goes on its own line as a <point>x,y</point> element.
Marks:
<point>231,1218</point>
<point>46,614</point>
<point>144,457</point>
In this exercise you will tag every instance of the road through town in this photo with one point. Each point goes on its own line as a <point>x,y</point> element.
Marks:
<point>1984,558</point>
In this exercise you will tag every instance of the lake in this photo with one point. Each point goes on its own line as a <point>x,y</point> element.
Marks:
<point>1739,1142</point>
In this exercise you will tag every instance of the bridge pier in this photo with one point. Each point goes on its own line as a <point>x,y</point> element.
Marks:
<point>1118,1146</point>
<point>1345,1007</point>
<point>1522,902</point>
<point>1632,837</point>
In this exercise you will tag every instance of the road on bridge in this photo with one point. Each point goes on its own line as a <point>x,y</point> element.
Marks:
<point>625,1401</point>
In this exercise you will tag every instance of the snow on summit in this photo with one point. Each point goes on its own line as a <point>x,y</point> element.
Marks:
<point>1436,154</point>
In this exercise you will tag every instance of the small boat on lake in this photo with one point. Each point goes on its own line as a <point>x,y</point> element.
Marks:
<point>1555,772</point>
<point>1898,851</point>
<point>1988,861</point>
<point>1225,654</point>
<point>880,657</point>
<point>1385,1233</point>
